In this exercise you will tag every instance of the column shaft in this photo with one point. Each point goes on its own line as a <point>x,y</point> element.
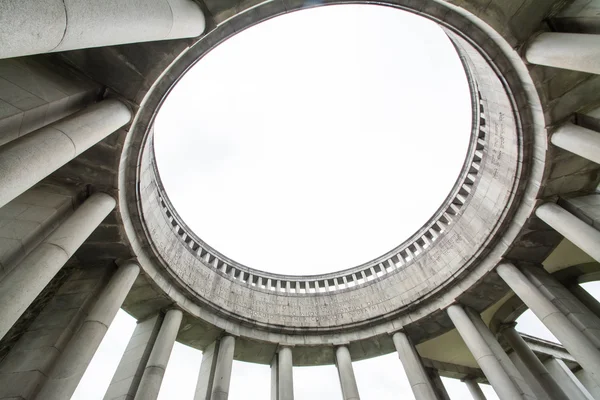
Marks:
<point>346,374</point>
<point>578,140</point>
<point>585,298</point>
<point>483,354</point>
<point>159,357</point>
<point>25,282</point>
<point>437,383</point>
<point>533,364</point>
<point>574,51</point>
<point>581,234</point>
<point>42,26</point>
<point>274,378</point>
<point>474,389</point>
<point>571,338</point>
<point>71,365</point>
<point>27,160</point>
<point>565,378</point>
<point>413,368</point>
<point>222,376</point>
<point>285,378</point>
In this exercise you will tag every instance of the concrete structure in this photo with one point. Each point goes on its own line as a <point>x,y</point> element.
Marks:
<point>86,226</point>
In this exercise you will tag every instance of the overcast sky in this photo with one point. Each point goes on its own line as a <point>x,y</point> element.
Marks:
<point>304,146</point>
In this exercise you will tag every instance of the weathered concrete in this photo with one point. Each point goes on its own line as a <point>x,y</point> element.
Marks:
<point>22,285</point>
<point>215,371</point>
<point>72,363</point>
<point>575,51</point>
<point>346,374</point>
<point>413,367</point>
<point>128,375</point>
<point>474,389</point>
<point>28,159</point>
<point>533,367</point>
<point>159,357</point>
<point>285,378</point>
<point>438,385</point>
<point>579,140</point>
<point>492,360</point>
<point>584,351</point>
<point>566,380</point>
<point>57,26</point>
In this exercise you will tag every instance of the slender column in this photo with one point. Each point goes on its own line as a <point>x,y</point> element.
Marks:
<point>274,378</point>
<point>581,234</point>
<point>533,364</point>
<point>438,385</point>
<point>27,160</point>
<point>220,388</point>
<point>413,368</point>
<point>70,366</point>
<point>569,335</point>
<point>25,282</point>
<point>474,389</point>
<point>127,377</point>
<point>578,140</point>
<point>505,388</point>
<point>285,374</point>
<point>574,51</point>
<point>159,357</point>
<point>585,298</point>
<point>43,26</point>
<point>565,378</point>
<point>346,374</point>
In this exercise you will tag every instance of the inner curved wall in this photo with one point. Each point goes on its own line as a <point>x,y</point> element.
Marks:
<point>418,277</point>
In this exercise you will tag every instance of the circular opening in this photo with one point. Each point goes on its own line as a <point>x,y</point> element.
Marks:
<point>318,140</point>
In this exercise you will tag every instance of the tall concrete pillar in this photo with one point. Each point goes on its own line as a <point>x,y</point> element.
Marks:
<point>479,343</point>
<point>576,343</point>
<point>127,377</point>
<point>574,51</point>
<point>215,371</point>
<point>346,374</point>
<point>274,378</point>
<point>474,389</point>
<point>71,365</point>
<point>438,386</point>
<point>285,379</point>
<point>585,298</point>
<point>25,282</point>
<point>588,382</point>
<point>27,160</point>
<point>533,365</point>
<point>567,381</point>
<point>413,368</point>
<point>43,26</point>
<point>159,357</point>
<point>578,140</point>
<point>581,234</point>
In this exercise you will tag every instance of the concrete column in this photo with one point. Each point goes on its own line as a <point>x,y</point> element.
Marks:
<point>346,374</point>
<point>500,380</point>
<point>585,298</point>
<point>438,385</point>
<point>551,390</point>
<point>588,382</point>
<point>581,234</point>
<point>567,381</point>
<point>474,389</point>
<point>413,368</point>
<point>574,51</point>
<point>274,378</point>
<point>43,26</point>
<point>578,140</point>
<point>127,377</point>
<point>285,378</point>
<point>159,357</point>
<point>25,282</point>
<point>71,365</point>
<point>220,388</point>
<point>27,160</point>
<point>570,336</point>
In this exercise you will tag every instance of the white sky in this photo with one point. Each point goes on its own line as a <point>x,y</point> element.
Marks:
<point>323,145</point>
<point>305,146</point>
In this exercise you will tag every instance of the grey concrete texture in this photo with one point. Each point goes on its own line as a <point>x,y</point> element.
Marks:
<point>29,27</point>
<point>574,51</point>
<point>25,282</point>
<point>417,376</point>
<point>285,374</point>
<point>343,362</point>
<point>25,368</point>
<point>68,369</point>
<point>567,380</point>
<point>475,390</point>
